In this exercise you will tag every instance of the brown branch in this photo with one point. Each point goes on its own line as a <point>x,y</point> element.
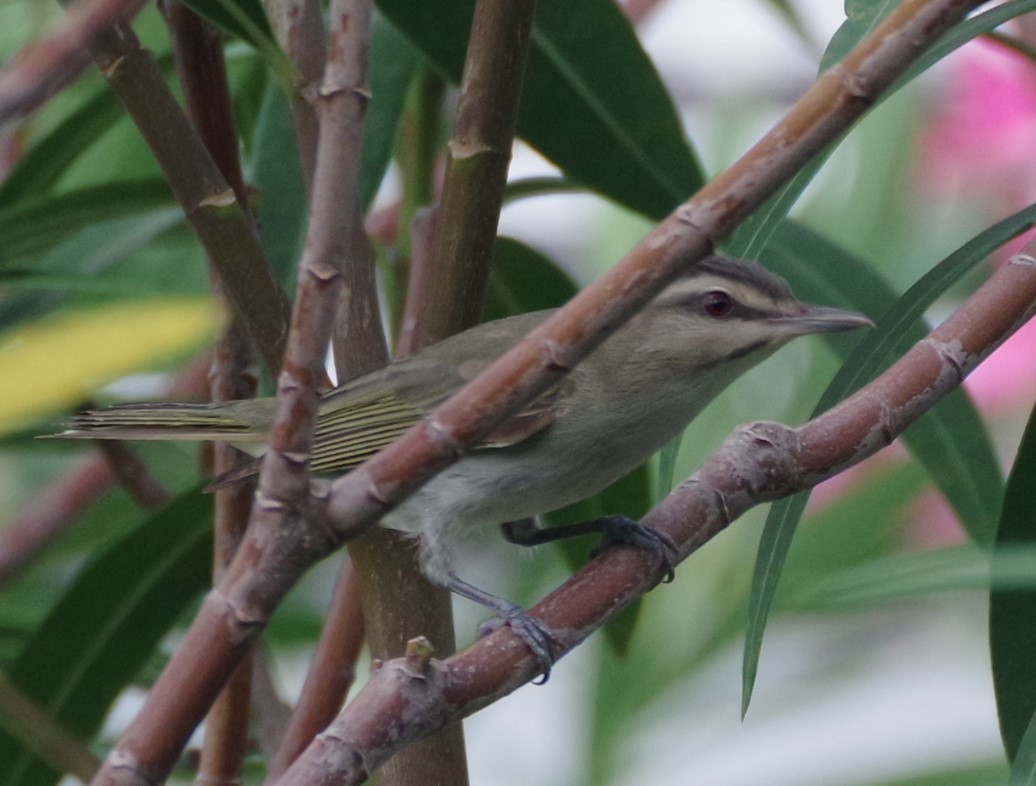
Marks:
<point>132,474</point>
<point>330,676</point>
<point>36,729</point>
<point>228,624</point>
<point>278,548</point>
<point>299,27</point>
<point>198,47</point>
<point>480,151</point>
<point>446,295</point>
<point>758,463</point>
<point>212,210</point>
<point>44,67</point>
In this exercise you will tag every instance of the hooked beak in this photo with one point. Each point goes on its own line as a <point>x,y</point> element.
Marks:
<point>821,319</point>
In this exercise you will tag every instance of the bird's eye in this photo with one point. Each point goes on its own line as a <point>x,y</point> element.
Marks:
<point>718,303</point>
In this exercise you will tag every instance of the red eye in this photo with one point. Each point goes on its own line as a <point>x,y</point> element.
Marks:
<point>717,304</point>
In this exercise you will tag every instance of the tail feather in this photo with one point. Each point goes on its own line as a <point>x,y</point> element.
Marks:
<point>164,421</point>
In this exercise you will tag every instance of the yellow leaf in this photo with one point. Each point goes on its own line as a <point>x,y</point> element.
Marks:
<point>58,361</point>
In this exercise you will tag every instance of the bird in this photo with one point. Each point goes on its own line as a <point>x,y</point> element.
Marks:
<point>629,397</point>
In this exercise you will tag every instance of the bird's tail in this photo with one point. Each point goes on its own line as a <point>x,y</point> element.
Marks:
<point>219,422</point>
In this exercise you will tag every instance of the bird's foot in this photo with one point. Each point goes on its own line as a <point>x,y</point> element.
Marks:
<point>622,529</point>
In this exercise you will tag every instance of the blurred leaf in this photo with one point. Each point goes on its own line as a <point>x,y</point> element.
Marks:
<point>32,225</point>
<point>861,18</point>
<point>522,280</point>
<point>592,101</point>
<point>903,576</point>
<point>107,624</point>
<point>247,20</point>
<point>281,203</point>
<point>537,186</point>
<point>393,62</point>
<point>1023,769</point>
<point>755,232</point>
<point>1012,613</point>
<point>48,159</point>
<point>54,363</point>
<point>950,440</point>
<point>77,264</point>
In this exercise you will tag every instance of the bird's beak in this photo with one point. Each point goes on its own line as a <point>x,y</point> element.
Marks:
<point>821,319</point>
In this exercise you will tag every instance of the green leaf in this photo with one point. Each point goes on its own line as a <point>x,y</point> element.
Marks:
<point>592,101</point>
<point>1012,612</point>
<point>950,441</point>
<point>80,263</point>
<point>31,226</point>
<point>522,280</point>
<point>107,624</point>
<point>50,156</point>
<point>393,63</point>
<point>861,18</point>
<point>755,232</point>
<point>281,204</point>
<point>245,19</point>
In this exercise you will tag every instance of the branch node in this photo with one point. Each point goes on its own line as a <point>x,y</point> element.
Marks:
<point>419,653</point>
<point>224,198</point>
<point>268,504</point>
<point>953,357</point>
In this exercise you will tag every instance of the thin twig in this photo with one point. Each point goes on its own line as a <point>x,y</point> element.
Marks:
<point>452,293</point>
<point>446,295</point>
<point>212,209</point>
<point>330,676</point>
<point>299,27</point>
<point>201,65</point>
<point>46,66</point>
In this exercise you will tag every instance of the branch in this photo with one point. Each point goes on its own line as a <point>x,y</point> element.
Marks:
<point>299,27</point>
<point>228,625</point>
<point>210,205</point>
<point>45,67</point>
<point>447,292</point>
<point>760,462</point>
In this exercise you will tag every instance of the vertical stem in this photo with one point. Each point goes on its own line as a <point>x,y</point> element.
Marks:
<point>447,294</point>
<point>480,152</point>
<point>202,68</point>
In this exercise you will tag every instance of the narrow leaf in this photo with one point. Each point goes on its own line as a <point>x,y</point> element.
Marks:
<point>107,625</point>
<point>950,441</point>
<point>1012,613</point>
<point>592,101</point>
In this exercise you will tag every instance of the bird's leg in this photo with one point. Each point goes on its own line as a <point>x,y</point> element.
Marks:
<point>533,632</point>
<point>612,529</point>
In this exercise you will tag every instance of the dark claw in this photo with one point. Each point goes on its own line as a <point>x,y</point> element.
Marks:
<point>534,633</point>
<point>622,529</point>
<point>531,631</point>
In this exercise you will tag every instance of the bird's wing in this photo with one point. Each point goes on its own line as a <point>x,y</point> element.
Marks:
<point>359,419</point>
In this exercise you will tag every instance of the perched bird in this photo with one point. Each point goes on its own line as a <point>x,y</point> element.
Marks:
<point>620,405</point>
